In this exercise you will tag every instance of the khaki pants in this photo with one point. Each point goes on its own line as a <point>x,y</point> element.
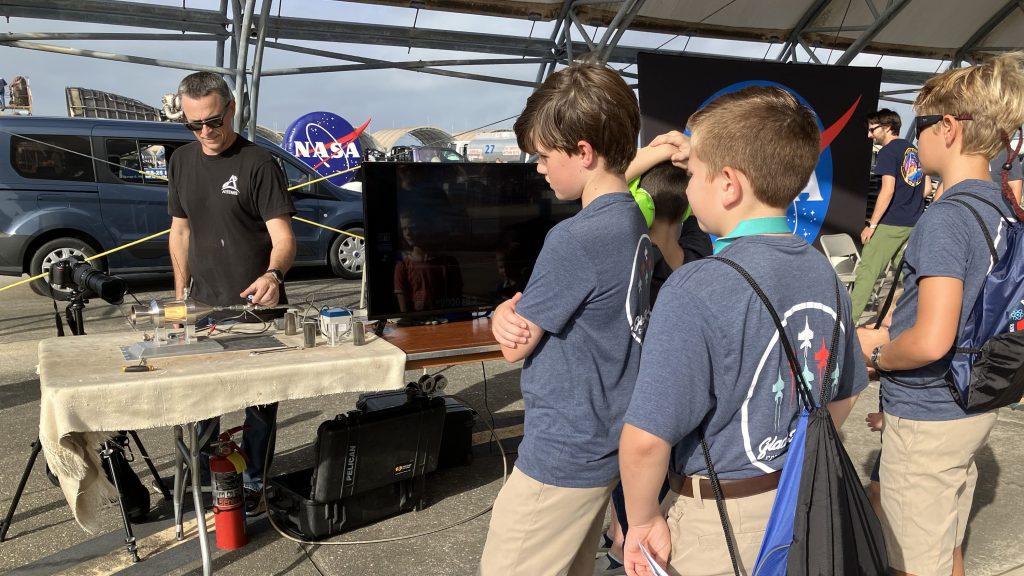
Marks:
<point>698,540</point>
<point>540,530</point>
<point>928,475</point>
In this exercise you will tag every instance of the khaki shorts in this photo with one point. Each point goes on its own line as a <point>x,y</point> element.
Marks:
<point>539,530</point>
<point>698,540</point>
<point>928,477</point>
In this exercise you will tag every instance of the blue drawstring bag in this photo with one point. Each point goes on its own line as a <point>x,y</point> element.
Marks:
<point>987,371</point>
<point>821,521</point>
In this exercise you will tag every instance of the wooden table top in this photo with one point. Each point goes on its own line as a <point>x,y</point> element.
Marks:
<point>445,344</point>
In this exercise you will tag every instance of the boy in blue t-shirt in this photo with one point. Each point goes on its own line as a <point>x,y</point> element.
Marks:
<point>928,472</point>
<point>578,324</point>
<point>712,364</point>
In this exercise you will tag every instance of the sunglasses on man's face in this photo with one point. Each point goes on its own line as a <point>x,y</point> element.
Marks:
<point>215,122</point>
<point>922,122</point>
<point>871,129</point>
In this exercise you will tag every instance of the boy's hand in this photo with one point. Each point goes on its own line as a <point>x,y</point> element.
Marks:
<point>682,144</point>
<point>876,421</point>
<point>507,327</point>
<point>655,537</point>
<point>870,339</point>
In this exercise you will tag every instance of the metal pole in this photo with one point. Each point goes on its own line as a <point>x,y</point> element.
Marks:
<point>243,56</point>
<point>403,65</point>
<point>109,56</point>
<point>257,68</point>
<point>883,19</point>
<point>219,58</point>
<point>566,6</point>
<point>197,498</point>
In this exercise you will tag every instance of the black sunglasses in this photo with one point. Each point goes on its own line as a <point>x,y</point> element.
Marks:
<point>215,122</point>
<point>922,122</point>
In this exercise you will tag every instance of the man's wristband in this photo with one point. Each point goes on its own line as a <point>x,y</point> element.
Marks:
<point>278,275</point>
<point>872,225</point>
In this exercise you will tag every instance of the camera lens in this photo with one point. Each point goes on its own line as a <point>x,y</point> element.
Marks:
<point>109,288</point>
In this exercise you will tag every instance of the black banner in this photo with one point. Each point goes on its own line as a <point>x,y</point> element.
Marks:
<point>674,87</point>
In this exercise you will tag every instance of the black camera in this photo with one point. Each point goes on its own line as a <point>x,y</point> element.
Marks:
<point>75,274</point>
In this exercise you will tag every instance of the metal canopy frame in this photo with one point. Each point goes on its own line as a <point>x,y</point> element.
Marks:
<point>569,40</point>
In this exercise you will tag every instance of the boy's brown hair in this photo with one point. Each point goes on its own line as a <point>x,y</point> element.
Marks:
<point>991,93</point>
<point>582,102</point>
<point>763,132</point>
<point>666,183</point>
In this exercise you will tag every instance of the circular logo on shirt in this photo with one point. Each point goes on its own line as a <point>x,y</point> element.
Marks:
<point>807,212</point>
<point>911,167</point>
<point>772,400</point>
<point>638,298</point>
<point>327,143</point>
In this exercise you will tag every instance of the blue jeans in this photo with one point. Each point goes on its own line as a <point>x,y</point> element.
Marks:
<point>260,433</point>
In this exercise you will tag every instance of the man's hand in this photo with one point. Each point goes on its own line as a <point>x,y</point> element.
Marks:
<point>265,291</point>
<point>655,537</point>
<point>866,234</point>
<point>680,141</point>
<point>508,328</point>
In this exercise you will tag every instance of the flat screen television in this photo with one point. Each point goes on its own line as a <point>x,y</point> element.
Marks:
<point>444,240</point>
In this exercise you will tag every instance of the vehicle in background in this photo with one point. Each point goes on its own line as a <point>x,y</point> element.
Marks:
<point>424,154</point>
<point>81,186</point>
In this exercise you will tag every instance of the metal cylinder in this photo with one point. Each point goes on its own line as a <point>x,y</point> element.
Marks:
<point>309,330</point>
<point>358,333</point>
<point>290,328</point>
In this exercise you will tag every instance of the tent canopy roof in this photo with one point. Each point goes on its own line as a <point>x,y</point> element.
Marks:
<point>938,29</point>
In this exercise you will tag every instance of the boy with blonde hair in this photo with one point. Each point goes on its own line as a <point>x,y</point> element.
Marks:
<point>928,473</point>
<point>712,366</point>
<point>578,324</point>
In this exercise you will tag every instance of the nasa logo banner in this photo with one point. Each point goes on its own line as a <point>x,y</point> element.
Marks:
<point>327,143</point>
<point>835,197</point>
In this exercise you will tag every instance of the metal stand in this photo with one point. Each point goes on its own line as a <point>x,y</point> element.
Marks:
<point>191,452</point>
<point>37,447</point>
<point>129,538</point>
<point>6,523</point>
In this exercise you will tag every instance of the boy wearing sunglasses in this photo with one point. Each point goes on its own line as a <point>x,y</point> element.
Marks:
<point>928,471</point>
<point>900,203</point>
<point>231,232</point>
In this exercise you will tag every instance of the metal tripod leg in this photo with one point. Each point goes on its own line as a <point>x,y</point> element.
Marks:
<point>149,464</point>
<point>129,538</point>
<point>8,519</point>
<point>179,484</point>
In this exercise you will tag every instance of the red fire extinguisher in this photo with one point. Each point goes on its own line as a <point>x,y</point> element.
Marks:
<point>226,467</point>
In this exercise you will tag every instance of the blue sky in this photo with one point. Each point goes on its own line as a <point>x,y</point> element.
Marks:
<point>392,98</point>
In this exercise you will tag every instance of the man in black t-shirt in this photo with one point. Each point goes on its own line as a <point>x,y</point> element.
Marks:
<point>231,234</point>
<point>900,203</point>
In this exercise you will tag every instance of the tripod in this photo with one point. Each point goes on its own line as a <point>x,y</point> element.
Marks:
<point>73,312</point>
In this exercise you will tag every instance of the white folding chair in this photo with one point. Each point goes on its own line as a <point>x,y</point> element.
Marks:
<point>842,253</point>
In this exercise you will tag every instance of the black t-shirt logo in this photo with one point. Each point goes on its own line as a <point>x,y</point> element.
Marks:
<point>231,186</point>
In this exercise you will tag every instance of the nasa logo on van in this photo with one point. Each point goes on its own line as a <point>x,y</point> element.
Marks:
<point>327,143</point>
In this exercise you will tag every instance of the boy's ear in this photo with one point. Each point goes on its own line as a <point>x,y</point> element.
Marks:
<point>586,152</point>
<point>733,185</point>
<point>952,131</point>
